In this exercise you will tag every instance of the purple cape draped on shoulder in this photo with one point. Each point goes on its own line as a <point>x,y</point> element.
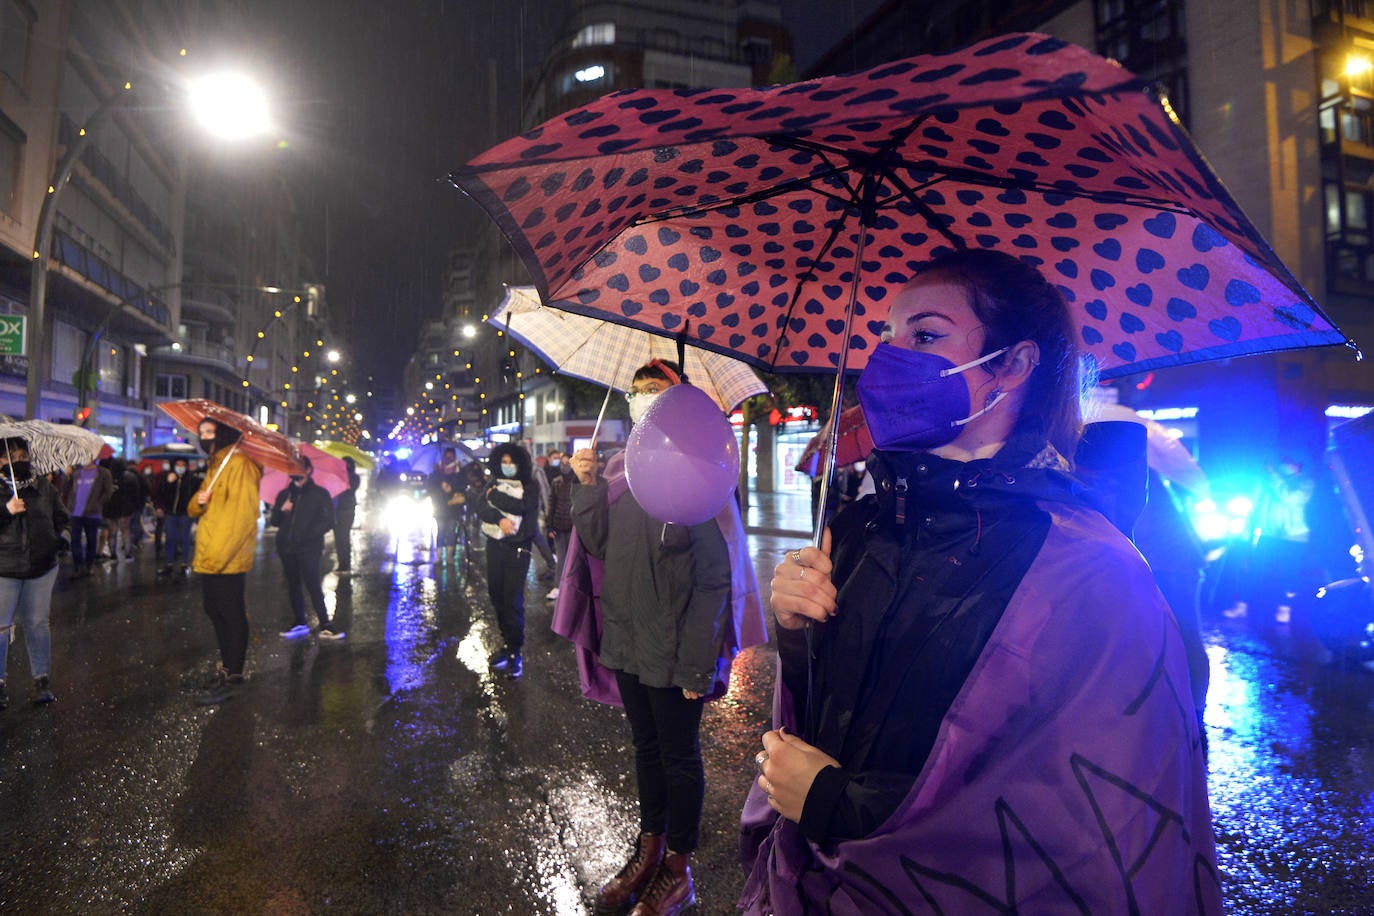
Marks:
<point>1067,776</point>
<point>577,613</point>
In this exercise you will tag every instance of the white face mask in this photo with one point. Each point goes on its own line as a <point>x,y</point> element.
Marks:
<point>639,405</point>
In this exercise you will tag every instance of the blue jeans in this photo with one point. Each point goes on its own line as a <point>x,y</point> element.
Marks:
<point>177,536</point>
<point>30,600</point>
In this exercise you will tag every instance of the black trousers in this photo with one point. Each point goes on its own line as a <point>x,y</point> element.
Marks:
<point>224,605</point>
<point>508,565</point>
<point>665,727</point>
<point>303,578</point>
<point>343,538</point>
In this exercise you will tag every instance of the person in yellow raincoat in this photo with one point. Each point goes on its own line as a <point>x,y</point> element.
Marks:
<point>226,506</point>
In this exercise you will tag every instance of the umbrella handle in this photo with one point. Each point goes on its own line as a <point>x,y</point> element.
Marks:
<point>828,466</point>
<point>220,470</point>
<point>9,464</point>
<point>596,430</point>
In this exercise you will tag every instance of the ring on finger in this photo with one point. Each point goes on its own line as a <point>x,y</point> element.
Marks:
<point>801,573</point>
<point>795,555</point>
<point>760,759</point>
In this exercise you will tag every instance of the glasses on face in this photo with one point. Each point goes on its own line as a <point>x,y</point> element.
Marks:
<point>636,391</point>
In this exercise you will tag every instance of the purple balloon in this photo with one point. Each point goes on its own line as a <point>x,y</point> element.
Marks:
<point>682,460</point>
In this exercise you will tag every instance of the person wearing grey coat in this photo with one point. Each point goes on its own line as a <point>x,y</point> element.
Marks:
<point>665,609</point>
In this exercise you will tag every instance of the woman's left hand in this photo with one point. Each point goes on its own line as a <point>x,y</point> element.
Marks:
<point>787,767</point>
<point>691,694</point>
<point>507,527</point>
<point>15,506</point>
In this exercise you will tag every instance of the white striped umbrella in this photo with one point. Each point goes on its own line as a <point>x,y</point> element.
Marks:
<point>53,446</point>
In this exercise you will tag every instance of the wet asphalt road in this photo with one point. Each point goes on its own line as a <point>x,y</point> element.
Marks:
<point>392,773</point>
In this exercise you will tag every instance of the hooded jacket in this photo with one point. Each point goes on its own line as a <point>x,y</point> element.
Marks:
<point>500,500</point>
<point>31,540</point>
<point>1005,691</point>
<point>227,531</point>
<point>665,593</point>
<point>578,613</point>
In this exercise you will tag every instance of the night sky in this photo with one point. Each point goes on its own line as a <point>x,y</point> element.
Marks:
<point>378,101</point>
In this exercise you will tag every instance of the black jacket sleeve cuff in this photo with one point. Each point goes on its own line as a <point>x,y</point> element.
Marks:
<point>819,807</point>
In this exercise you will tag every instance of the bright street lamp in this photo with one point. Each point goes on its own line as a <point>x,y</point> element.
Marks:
<point>469,330</point>
<point>229,105</point>
<point>38,339</point>
<point>333,356</point>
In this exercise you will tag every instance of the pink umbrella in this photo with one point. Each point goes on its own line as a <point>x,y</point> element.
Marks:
<point>330,473</point>
<point>780,221</point>
<point>739,209</point>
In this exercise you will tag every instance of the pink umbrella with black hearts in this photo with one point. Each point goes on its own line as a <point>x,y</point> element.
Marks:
<point>777,221</point>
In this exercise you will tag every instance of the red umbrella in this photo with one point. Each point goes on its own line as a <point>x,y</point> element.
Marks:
<point>267,447</point>
<point>329,472</point>
<point>853,444</point>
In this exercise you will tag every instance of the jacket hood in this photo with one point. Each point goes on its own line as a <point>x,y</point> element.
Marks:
<point>520,456</point>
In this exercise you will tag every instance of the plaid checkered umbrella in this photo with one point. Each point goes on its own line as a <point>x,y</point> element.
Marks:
<point>608,354</point>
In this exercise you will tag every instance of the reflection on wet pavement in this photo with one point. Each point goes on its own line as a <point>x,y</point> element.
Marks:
<point>392,772</point>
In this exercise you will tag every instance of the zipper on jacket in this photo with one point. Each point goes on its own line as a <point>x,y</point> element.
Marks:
<point>901,500</point>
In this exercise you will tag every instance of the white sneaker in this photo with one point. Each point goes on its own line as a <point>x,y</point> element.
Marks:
<point>552,595</point>
<point>298,630</point>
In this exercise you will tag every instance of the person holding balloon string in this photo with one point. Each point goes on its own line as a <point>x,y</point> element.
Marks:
<point>982,694</point>
<point>677,600</point>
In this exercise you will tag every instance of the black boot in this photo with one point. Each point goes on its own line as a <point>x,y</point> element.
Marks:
<point>617,894</point>
<point>227,687</point>
<point>42,693</point>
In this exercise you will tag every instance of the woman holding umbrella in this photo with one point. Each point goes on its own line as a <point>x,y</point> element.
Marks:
<point>33,530</point>
<point>226,506</point>
<point>666,605</point>
<point>982,694</point>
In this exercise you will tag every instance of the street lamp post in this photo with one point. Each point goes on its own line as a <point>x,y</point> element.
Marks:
<point>42,247</point>
<point>87,383</point>
<point>238,120</point>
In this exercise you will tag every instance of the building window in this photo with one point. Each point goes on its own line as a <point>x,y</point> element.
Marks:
<point>12,141</point>
<point>15,22</point>
<point>174,387</point>
<point>598,33</point>
<point>1146,37</point>
<point>591,76</point>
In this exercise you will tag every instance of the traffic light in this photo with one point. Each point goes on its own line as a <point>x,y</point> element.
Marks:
<point>82,415</point>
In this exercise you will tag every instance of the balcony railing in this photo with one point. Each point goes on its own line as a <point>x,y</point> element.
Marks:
<point>201,349</point>
<point>119,186</point>
<point>74,255</point>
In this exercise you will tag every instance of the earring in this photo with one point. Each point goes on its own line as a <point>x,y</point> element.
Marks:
<point>993,395</point>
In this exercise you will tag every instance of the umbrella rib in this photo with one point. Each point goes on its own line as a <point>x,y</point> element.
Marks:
<point>971,177</point>
<point>809,275</point>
